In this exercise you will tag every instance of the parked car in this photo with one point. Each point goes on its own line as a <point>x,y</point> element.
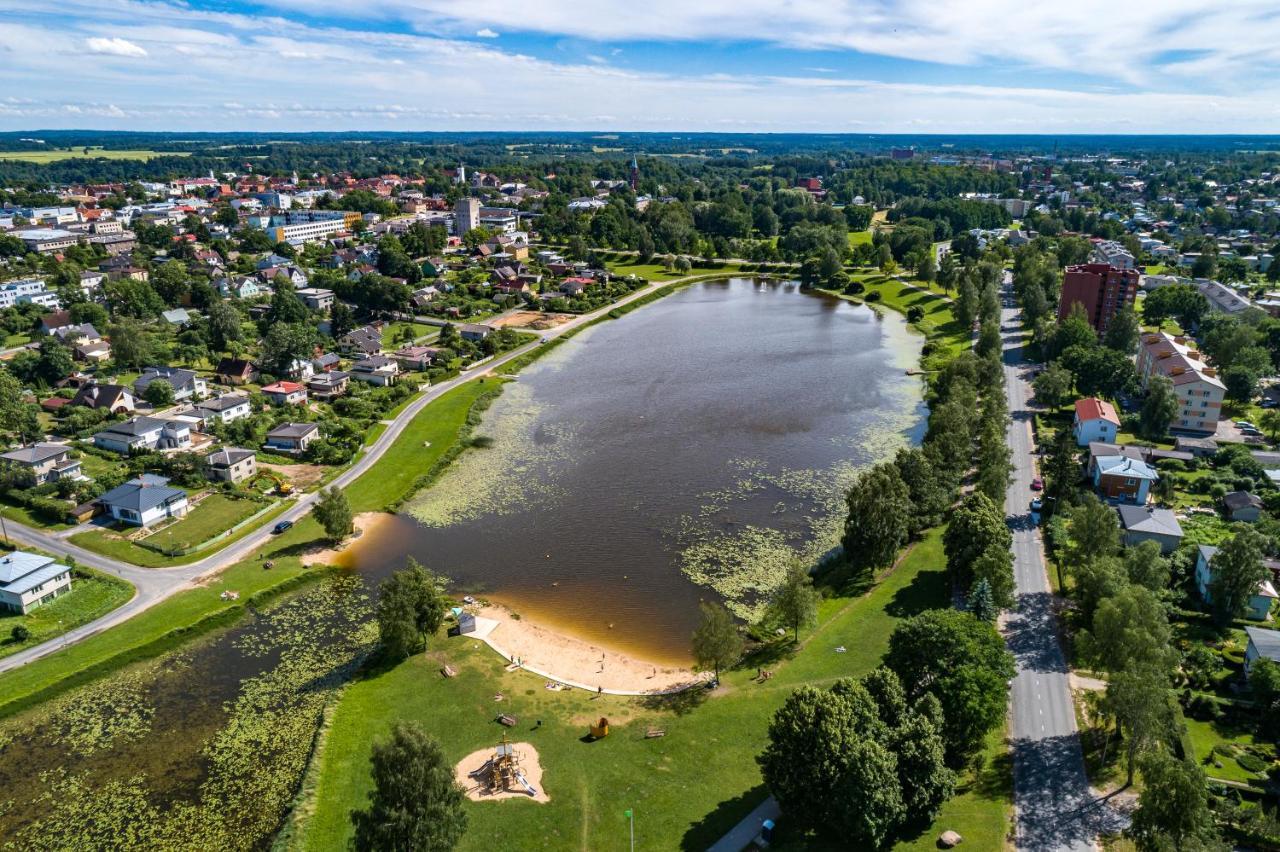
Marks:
<point>1037,504</point>
<point>1268,403</point>
<point>1245,424</point>
<point>281,527</point>
<point>1037,484</point>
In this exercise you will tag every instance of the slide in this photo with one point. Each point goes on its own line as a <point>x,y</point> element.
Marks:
<point>523,783</point>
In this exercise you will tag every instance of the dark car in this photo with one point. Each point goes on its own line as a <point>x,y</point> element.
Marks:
<point>281,527</point>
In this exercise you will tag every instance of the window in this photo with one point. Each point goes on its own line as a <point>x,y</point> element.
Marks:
<point>1130,481</point>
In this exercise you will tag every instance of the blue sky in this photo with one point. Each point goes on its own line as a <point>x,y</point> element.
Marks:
<point>1088,66</point>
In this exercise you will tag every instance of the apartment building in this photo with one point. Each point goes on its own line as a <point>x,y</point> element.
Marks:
<point>1101,289</point>
<point>1199,390</point>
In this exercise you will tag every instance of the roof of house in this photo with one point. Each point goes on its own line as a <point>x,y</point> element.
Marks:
<point>35,454</point>
<point>100,396</point>
<point>21,571</point>
<point>1092,408</point>
<point>234,367</point>
<point>1126,466</point>
<point>142,493</point>
<point>227,456</point>
<point>292,430</point>
<point>332,377</point>
<point>175,376</point>
<point>373,362</point>
<point>1266,641</point>
<point>136,426</point>
<point>282,387</point>
<point>1241,500</point>
<point>225,402</point>
<point>1149,519</point>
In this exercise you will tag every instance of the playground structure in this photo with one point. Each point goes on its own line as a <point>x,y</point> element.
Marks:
<point>502,773</point>
<point>599,730</point>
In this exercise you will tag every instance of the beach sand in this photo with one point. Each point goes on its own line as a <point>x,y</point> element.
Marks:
<point>476,788</point>
<point>574,661</point>
<point>363,522</point>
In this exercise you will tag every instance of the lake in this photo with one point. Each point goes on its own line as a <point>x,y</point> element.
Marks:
<point>686,451</point>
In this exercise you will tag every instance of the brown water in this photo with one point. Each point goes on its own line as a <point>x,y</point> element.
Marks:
<point>705,437</point>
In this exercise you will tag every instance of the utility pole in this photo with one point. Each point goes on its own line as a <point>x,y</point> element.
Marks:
<point>631,817</point>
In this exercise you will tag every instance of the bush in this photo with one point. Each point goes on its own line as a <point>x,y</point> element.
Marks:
<point>20,633</point>
<point>1251,762</point>
<point>872,296</point>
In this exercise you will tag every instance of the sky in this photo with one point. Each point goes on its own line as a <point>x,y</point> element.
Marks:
<point>871,66</point>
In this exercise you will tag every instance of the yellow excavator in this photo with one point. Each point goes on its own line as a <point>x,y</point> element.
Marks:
<point>283,486</point>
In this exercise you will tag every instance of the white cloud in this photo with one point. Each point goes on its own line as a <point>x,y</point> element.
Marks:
<point>486,33</point>
<point>357,77</point>
<point>115,47</point>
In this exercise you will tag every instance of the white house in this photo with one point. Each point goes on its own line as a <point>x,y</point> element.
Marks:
<point>143,433</point>
<point>185,383</point>
<point>28,580</point>
<point>1259,604</point>
<point>144,500</point>
<point>376,370</point>
<point>1095,420</point>
<point>231,464</point>
<point>227,408</point>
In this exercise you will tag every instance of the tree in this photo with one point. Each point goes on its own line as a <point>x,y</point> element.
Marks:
<point>410,608</point>
<point>334,513</point>
<point>14,413</point>
<point>55,362</point>
<point>286,307</point>
<point>415,804</point>
<point>1173,807</point>
<point>981,603</point>
<point>1061,469</point>
<point>285,343</point>
<point>130,346</point>
<point>795,603</point>
<point>223,325</point>
<point>878,520</point>
<point>1054,385</point>
<point>1237,570</point>
<point>1123,332</point>
<point>923,775</point>
<point>683,265</point>
<point>159,393</point>
<point>1130,629</point>
<point>963,663</point>
<point>716,643</point>
<point>975,527</point>
<point>20,633</point>
<point>1270,419</point>
<point>928,490</point>
<point>1139,701</point>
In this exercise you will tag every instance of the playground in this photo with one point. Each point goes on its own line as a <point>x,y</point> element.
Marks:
<point>506,770</point>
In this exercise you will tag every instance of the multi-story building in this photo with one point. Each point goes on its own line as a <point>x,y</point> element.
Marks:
<point>466,215</point>
<point>1199,390</point>
<point>1101,289</point>
<point>27,291</point>
<point>47,240</point>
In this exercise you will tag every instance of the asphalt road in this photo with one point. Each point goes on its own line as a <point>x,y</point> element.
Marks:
<point>1055,808</point>
<point>153,585</point>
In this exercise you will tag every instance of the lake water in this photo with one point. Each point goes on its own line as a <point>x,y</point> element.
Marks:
<point>686,451</point>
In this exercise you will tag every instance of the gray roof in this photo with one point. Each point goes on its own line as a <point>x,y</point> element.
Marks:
<point>21,571</point>
<point>224,402</point>
<point>227,456</point>
<point>175,376</point>
<point>35,454</point>
<point>135,426</point>
<point>96,395</point>
<point>1149,519</point>
<point>1241,500</point>
<point>1266,641</point>
<point>292,430</point>
<point>145,492</point>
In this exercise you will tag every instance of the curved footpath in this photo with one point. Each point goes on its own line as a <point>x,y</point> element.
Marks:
<point>153,585</point>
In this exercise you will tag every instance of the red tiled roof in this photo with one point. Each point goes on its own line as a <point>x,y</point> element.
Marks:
<point>283,387</point>
<point>1093,408</point>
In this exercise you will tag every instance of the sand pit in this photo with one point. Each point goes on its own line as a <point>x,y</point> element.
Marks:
<point>530,319</point>
<point>363,522</point>
<point>576,662</point>
<point>477,787</point>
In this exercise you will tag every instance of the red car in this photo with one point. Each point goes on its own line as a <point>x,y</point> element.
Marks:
<point>1037,484</point>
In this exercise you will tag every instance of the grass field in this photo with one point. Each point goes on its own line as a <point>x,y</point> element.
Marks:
<point>110,544</point>
<point>687,788</point>
<point>938,323</point>
<point>57,154</point>
<point>214,514</point>
<point>92,594</point>
<point>392,333</point>
<point>857,238</point>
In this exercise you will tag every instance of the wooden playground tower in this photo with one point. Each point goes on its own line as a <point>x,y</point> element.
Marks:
<point>502,772</point>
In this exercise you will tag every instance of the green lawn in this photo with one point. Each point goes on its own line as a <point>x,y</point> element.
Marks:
<point>214,514</point>
<point>938,324</point>
<point>111,544</point>
<point>857,238</point>
<point>392,333</point>
<point>1206,735</point>
<point>92,594</point>
<point>79,154</point>
<point>687,788</point>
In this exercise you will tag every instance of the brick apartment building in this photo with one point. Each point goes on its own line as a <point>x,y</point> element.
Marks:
<point>1102,289</point>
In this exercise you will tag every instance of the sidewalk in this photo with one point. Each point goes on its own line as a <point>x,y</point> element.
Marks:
<point>744,832</point>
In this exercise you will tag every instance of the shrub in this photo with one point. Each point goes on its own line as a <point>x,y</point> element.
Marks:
<point>1251,762</point>
<point>20,633</point>
<point>872,296</point>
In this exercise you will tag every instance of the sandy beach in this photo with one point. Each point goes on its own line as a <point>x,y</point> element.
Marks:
<point>574,661</point>
<point>363,522</point>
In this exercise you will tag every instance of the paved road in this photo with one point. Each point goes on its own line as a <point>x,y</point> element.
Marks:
<point>155,584</point>
<point>1055,808</point>
<point>745,832</point>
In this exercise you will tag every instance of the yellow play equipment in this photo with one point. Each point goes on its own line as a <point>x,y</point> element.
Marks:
<point>600,729</point>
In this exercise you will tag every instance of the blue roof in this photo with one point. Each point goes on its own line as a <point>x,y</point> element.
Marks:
<point>21,571</point>
<point>1125,466</point>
